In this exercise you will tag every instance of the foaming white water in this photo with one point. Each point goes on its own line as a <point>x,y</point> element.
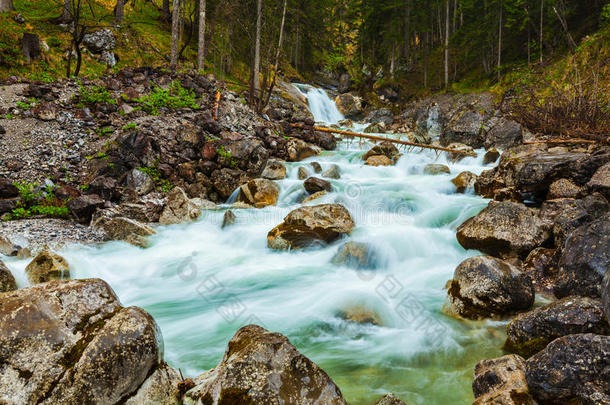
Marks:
<point>321,106</point>
<point>201,282</point>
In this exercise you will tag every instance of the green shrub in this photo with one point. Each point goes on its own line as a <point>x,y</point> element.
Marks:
<point>174,97</point>
<point>131,125</point>
<point>93,95</point>
<point>162,184</point>
<point>28,192</point>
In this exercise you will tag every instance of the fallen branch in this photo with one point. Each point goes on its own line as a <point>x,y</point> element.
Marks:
<point>378,138</point>
<point>560,141</point>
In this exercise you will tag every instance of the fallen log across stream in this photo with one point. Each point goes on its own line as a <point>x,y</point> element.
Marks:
<point>377,138</point>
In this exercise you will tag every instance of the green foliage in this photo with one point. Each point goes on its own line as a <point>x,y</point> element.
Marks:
<point>23,105</point>
<point>35,200</point>
<point>605,16</point>
<point>174,97</point>
<point>162,184</point>
<point>105,131</point>
<point>95,94</point>
<point>29,192</point>
<point>131,125</point>
<point>225,154</point>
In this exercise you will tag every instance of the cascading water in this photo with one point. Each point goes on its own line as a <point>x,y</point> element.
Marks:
<point>321,106</point>
<point>201,282</point>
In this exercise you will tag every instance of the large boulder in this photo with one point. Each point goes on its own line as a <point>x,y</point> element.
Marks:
<point>7,281</point>
<point>585,260</point>
<point>504,134</point>
<point>160,388</point>
<point>314,185</point>
<point>99,41</point>
<point>225,181</point>
<point>179,208</point>
<point>298,150</point>
<point>464,181</point>
<point>385,148</point>
<point>83,207</point>
<point>349,105</point>
<point>261,367</point>
<point>601,181</point>
<point>259,193</point>
<point>504,229</point>
<point>141,182</point>
<point>47,266</point>
<point>484,286</point>
<point>274,170</point>
<point>530,332</point>
<point>571,369</point>
<point>311,225</point>
<point>467,128</point>
<point>121,228</point>
<point>501,381</point>
<point>382,115</point>
<point>541,266</point>
<point>76,344</point>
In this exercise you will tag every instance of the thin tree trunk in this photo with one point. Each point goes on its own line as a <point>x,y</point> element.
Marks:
<point>166,13</point>
<point>6,5</point>
<point>175,34</point>
<point>447,44</point>
<point>541,27</point>
<point>500,42</point>
<point>257,49</point>
<point>565,28</point>
<point>277,57</point>
<point>119,11</point>
<point>201,42</point>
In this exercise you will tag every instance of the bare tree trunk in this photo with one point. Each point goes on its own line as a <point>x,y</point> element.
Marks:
<point>392,60</point>
<point>257,48</point>
<point>175,34</point>
<point>500,42</point>
<point>6,5</point>
<point>201,44</point>
<point>447,44</point>
<point>564,24</point>
<point>119,11</point>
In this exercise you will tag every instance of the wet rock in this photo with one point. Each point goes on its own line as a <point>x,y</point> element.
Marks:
<point>356,255</point>
<point>147,209</point>
<point>47,266</point>
<point>389,399</point>
<point>311,225</point>
<point>332,173</point>
<point>260,367</point>
<point>484,286</point>
<point>225,181</point>
<point>298,150</point>
<point>274,171</point>
<point>382,115</point>
<point>360,314</point>
<point>83,207</point>
<point>7,281</point>
<point>585,260</point>
<point>434,169</point>
<point>179,208</point>
<point>100,41</point>
<point>385,148</point>
<point>228,219</point>
<point>464,181</point>
<point>349,105</point>
<point>314,196</point>
<point>462,152</point>
<point>141,182</point>
<point>530,332</point>
<point>375,128</point>
<point>504,134</point>
<point>501,381</point>
<point>571,368</point>
<point>601,181</point>
<point>313,185</point>
<point>160,388</point>
<point>466,129</point>
<point>302,173</point>
<point>504,229</point>
<point>378,160</point>
<point>491,156</point>
<point>562,188</point>
<point>120,228</point>
<point>8,189</point>
<point>316,167</point>
<point>541,266</point>
<point>259,193</point>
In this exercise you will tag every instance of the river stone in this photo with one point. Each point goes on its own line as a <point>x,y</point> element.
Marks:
<point>179,208</point>
<point>259,193</point>
<point>600,181</point>
<point>484,286</point>
<point>585,260</point>
<point>310,225</point>
<point>302,173</point>
<point>121,228</point>
<point>316,167</point>
<point>332,172</point>
<point>315,196</point>
<point>226,180</point>
<point>378,160</point>
<point>160,388</point>
<point>464,181</point>
<point>299,150</point>
<point>385,148</point>
<point>261,367</point>
<point>356,255</point>
<point>313,185</point>
<point>463,151</point>
<point>541,266</point>
<point>360,314</point>
<point>76,344</point>
<point>491,156</point>
<point>562,188</point>
<point>504,229</point>
<point>141,182</point>
<point>228,219</point>
<point>47,266</point>
<point>350,106</point>
<point>501,381</point>
<point>274,171</point>
<point>436,169</point>
<point>530,332</point>
<point>571,369</point>
<point>389,399</point>
<point>7,281</point>
<point>7,247</point>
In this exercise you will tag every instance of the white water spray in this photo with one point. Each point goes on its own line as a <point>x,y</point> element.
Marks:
<point>321,106</point>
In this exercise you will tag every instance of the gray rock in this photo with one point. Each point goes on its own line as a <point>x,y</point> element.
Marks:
<point>466,129</point>
<point>384,115</point>
<point>7,281</point>
<point>179,208</point>
<point>601,181</point>
<point>160,388</point>
<point>274,171</point>
<point>434,169</point>
<point>141,182</point>
<point>47,266</point>
<point>350,105</point>
<point>606,294</point>
<point>82,208</point>
<point>260,367</point>
<point>121,228</point>
<point>99,41</point>
<point>332,172</point>
<point>504,134</point>
<point>501,381</point>
<point>484,286</point>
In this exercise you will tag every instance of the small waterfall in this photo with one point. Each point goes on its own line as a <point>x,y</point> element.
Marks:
<point>321,106</point>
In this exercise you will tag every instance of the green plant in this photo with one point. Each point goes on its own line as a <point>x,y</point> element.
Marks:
<point>23,105</point>
<point>93,95</point>
<point>9,116</point>
<point>28,192</point>
<point>162,184</point>
<point>174,97</point>
<point>105,131</point>
<point>225,154</point>
<point>605,16</point>
<point>131,125</point>
<point>83,187</point>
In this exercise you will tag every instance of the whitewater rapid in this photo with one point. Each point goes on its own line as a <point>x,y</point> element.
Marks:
<point>201,282</point>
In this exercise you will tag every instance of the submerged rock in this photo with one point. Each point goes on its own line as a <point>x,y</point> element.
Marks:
<point>378,160</point>
<point>356,255</point>
<point>261,367</point>
<point>501,381</point>
<point>530,332</point>
<point>585,260</point>
<point>76,344</point>
<point>315,196</point>
<point>436,169</point>
<point>47,266</point>
<point>464,181</point>
<point>504,229</point>
<point>302,173</point>
<point>259,193</point>
<point>332,172</point>
<point>314,185</point>
<point>311,225</point>
<point>385,148</point>
<point>274,171</point>
<point>7,281</point>
<point>360,314</point>
<point>228,219</point>
<point>179,208</point>
<point>389,399</point>
<point>484,286</point>
<point>571,368</point>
